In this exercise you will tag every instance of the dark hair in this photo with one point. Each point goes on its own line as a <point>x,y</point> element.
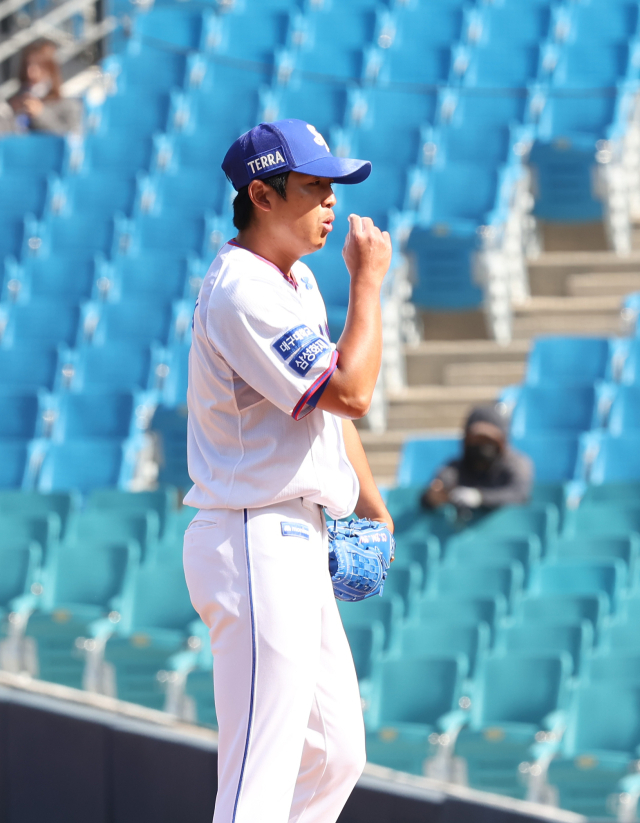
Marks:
<point>242,205</point>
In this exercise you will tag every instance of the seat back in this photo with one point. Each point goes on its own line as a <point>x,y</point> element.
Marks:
<point>19,564</point>
<point>568,360</point>
<point>439,638</point>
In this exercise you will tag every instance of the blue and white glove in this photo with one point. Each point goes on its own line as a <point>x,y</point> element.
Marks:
<point>360,553</point>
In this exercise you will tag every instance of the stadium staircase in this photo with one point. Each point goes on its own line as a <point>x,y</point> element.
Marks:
<point>572,292</point>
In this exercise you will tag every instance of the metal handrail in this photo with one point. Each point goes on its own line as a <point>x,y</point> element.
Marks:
<point>41,27</point>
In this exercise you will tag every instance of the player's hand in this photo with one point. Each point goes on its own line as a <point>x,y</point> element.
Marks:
<point>367,251</point>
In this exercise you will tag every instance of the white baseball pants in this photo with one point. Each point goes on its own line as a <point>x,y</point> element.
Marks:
<point>291,735</point>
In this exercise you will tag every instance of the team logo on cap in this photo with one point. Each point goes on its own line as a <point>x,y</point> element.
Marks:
<point>317,137</point>
<point>267,160</point>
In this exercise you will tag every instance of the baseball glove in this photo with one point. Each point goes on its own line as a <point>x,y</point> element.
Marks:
<point>360,553</point>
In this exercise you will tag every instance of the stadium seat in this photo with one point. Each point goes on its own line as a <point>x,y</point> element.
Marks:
<point>18,199</point>
<point>607,518</point>
<point>188,192</point>
<point>603,731</point>
<point>474,551</point>
<point>135,277</point>
<point>116,151</point>
<point>77,194</point>
<point>143,68</point>
<point>626,494</point>
<point>175,234</point>
<point>91,526</point>
<point>28,366</point>
<point>480,580</point>
<point>366,644</point>
<point>79,587</point>
<point>176,363</point>
<point>129,320</point>
<point>117,365</point>
<point>439,638</point>
<point>386,610</point>
<point>199,688</point>
<point>405,579</point>
<point>624,416</point>
<point>20,565</point>
<point>40,323</point>
<point>546,638</point>
<point>57,278</point>
<point>614,461</point>
<point>93,415</point>
<point>162,502</point>
<point>78,235</point>
<point>169,426</point>
<point>587,547</point>
<point>563,609</point>
<point>411,695</point>
<point>618,668</point>
<point>568,360</point>
<point>420,459</point>
<point>19,414</point>
<point>467,611</point>
<point>620,637</point>
<point>24,527</point>
<point>63,505</point>
<point>516,521</point>
<point>40,154</point>
<point>322,104</point>
<point>176,26</point>
<point>138,113</point>
<point>554,454</point>
<point>339,37</point>
<point>513,699</point>
<point>553,409</point>
<point>155,625</point>
<point>582,577</point>
<point>84,465</point>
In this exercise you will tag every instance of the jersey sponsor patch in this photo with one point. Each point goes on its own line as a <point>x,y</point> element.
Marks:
<point>313,350</point>
<point>292,341</point>
<point>290,529</point>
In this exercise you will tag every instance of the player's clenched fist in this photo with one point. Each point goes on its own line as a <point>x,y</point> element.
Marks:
<point>367,250</point>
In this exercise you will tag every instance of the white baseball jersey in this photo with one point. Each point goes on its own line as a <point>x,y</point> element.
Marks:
<point>260,358</point>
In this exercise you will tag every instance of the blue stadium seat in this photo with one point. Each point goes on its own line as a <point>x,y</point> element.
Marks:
<point>161,501</point>
<point>462,195</point>
<point>579,66</point>
<point>606,518</point>
<point>92,526</point>
<point>339,37</point>
<point>481,580</point>
<point>512,699</point>
<point>412,694</point>
<point>78,588</point>
<point>17,198</point>
<point>41,322</point>
<point>78,235</point>
<point>20,570</point>
<point>420,459</point>
<point>366,644</point>
<point>614,668</point>
<point>187,192</point>
<point>553,409</point>
<point>443,261</point>
<point>630,372</point>
<point>426,59</point>
<point>624,415</point>
<point>155,625</point>
<point>143,68</point>
<point>37,154</point>
<point>84,465</point>
<point>174,387</point>
<point>244,34</point>
<point>589,547</point>
<point>602,734</point>
<point>546,638</point>
<point>93,415</point>
<point>568,360</point>
<point>472,550</point>
<point>439,638</point>
<point>136,277</point>
<point>118,365</point>
<point>461,609</point>
<point>386,610</point>
<point>24,526</point>
<point>19,415</point>
<point>580,577</point>
<point>405,580</point>
<point>58,278</point>
<point>117,193</point>
<point>615,460</point>
<point>554,454</point>
<point>621,637</point>
<point>322,104</point>
<point>517,521</point>
<point>564,609</point>
<point>170,426</point>
<point>116,151</point>
<point>62,505</point>
<point>599,23</point>
<point>130,320</point>
<point>28,366</point>
<point>13,234</point>
<point>507,65</point>
<point>176,26</point>
<point>140,114</point>
<point>178,235</point>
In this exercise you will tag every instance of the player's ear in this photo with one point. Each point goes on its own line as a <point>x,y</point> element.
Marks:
<point>260,194</point>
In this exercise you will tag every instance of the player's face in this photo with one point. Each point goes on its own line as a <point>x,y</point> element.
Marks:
<point>306,216</point>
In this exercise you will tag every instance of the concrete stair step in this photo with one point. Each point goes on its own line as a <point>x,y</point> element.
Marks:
<point>482,374</point>
<point>436,407</point>
<point>567,315</point>
<point>383,450</point>
<point>548,273</point>
<point>427,362</point>
<point>597,285</point>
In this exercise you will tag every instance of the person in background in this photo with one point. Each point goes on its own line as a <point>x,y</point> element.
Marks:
<point>38,105</point>
<point>489,473</point>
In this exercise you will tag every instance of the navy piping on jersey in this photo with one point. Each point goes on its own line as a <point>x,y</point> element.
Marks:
<point>253,666</point>
<point>314,392</point>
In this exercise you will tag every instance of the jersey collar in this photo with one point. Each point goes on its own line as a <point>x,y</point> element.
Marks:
<point>291,280</point>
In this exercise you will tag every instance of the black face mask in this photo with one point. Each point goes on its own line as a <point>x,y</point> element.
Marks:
<point>480,458</point>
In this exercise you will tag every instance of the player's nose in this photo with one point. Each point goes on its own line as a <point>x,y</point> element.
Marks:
<point>330,201</point>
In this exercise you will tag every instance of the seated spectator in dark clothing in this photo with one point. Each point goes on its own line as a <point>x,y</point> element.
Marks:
<point>489,474</point>
<point>39,105</point>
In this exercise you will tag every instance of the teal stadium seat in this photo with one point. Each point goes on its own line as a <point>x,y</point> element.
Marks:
<point>548,638</point>
<point>411,696</point>
<point>580,577</point>
<point>481,580</point>
<point>564,609</point>
<point>21,527</point>
<point>20,564</point>
<point>439,638</point>
<point>514,697</point>
<point>388,610</point>
<point>406,582</point>
<point>161,501</point>
<point>20,503</point>
<point>465,610</point>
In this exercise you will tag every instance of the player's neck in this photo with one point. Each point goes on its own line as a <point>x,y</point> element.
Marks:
<point>257,241</point>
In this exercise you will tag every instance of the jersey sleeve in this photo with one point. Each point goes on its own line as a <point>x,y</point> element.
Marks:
<point>261,334</point>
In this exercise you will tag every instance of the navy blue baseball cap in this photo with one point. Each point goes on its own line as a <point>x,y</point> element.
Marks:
<point>288,145</point>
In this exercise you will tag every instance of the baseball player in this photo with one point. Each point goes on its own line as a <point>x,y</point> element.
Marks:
<point>271,444</point>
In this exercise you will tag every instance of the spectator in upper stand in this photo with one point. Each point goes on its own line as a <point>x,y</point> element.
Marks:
<point>38,105</point>
<point>488,474</point>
